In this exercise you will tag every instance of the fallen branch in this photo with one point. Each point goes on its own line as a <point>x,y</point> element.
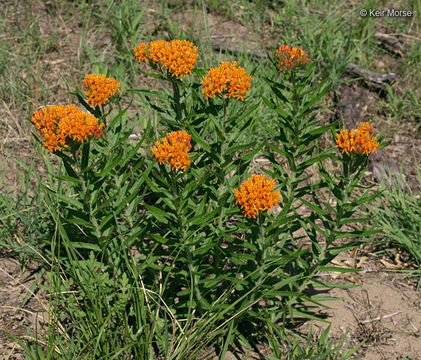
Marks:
<point>371,76</point>
<point>393,43</point>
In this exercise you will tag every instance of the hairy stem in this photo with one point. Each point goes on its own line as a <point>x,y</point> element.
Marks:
<point>221,178</point>
<point>262,259</point>
<point>177,102</point>
<point>194,279</point>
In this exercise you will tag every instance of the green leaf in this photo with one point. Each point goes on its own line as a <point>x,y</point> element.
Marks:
<point>203,219</point>
<point>105,220</point>
<point>289,280</point>
<point>80,221</point>
<point>109,166</point>
<point>243,256</point>
<point>118,119</point>
<point>250,110</point>
<point>134,191</point>
<point>274,86</point>
<point>70,172</point>
<point>360,220</point>
<point>315,98</point>
<point>320,130</point>
<point>283,293</point>
<point>309,316</point>
<point>276,149</point>
<point>365,199</point>
<point>269,129</point>
<point>198,139</point>
<point>131,154</point>
<point>159,214</point>
<point>337,269</point>
<point>355,233</point>
<point>156,76</point>
<point>268,103</point>
<point>83,245</point>
<point>236,148</point>
<point>228,339</point>
<point>333,251</point>
<point>318,158</point>
<point>67,178</point>
<point>159,238</point>
<point>158,94</point>
<point>68,200</point>
<point>315,208</point>
<point>250,155</point>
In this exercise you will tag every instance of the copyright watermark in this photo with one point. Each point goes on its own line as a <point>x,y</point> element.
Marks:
<point>386,13</point>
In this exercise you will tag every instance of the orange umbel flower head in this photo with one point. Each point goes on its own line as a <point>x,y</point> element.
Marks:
<point>59,124</point>
<point>289,58</point>
<point>357,140</point>
<point>176,56</point>
<point>141,52</point>
<point>256,194</point>
<point>99,88</point>
<point>227,78</point>
<point>174,150</point>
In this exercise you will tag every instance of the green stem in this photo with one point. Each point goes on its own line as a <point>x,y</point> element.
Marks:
<point>102,114</point>
<point>86,198</point>
<point>340,207</point>
<point>104,119</point>
<point>296,138</point>
<point>221,171</point>
<point>193,277</point>
<point>221,178</point>
<point>262,255</point>
<point>177,102</point>
<point>263,241</point>
<point>296,106</point>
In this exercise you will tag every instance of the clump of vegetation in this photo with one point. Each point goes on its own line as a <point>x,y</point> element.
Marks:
<point>399,216</point>
<point>159,236</point>
<point>151,256</point>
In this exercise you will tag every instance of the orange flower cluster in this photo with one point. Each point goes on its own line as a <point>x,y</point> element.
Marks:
<point>58,123</point>
<point>99,88</point>
<point>256,194</point>
<point>174,150</point>
<point>289,58</point>
<point>226,77</point>
<point>358,140</point>
<point>177,56</point>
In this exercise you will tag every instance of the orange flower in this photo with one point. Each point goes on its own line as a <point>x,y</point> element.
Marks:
<point>358,140</point>
<point>177,56</point>
<point>289,58</point>
<point>59,123</point>
<point>141,52</point>
<point>174,150</point>
<point>227,78</point>
<point>99,88</point>
<point>256,194</point>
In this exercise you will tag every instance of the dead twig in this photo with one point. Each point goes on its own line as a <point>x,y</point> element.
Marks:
<point>380,318</point>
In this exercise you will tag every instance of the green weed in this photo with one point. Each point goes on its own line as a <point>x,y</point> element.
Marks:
<point>398,214</point>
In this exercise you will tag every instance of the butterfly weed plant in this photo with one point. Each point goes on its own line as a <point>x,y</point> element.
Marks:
<point>168,244</point>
